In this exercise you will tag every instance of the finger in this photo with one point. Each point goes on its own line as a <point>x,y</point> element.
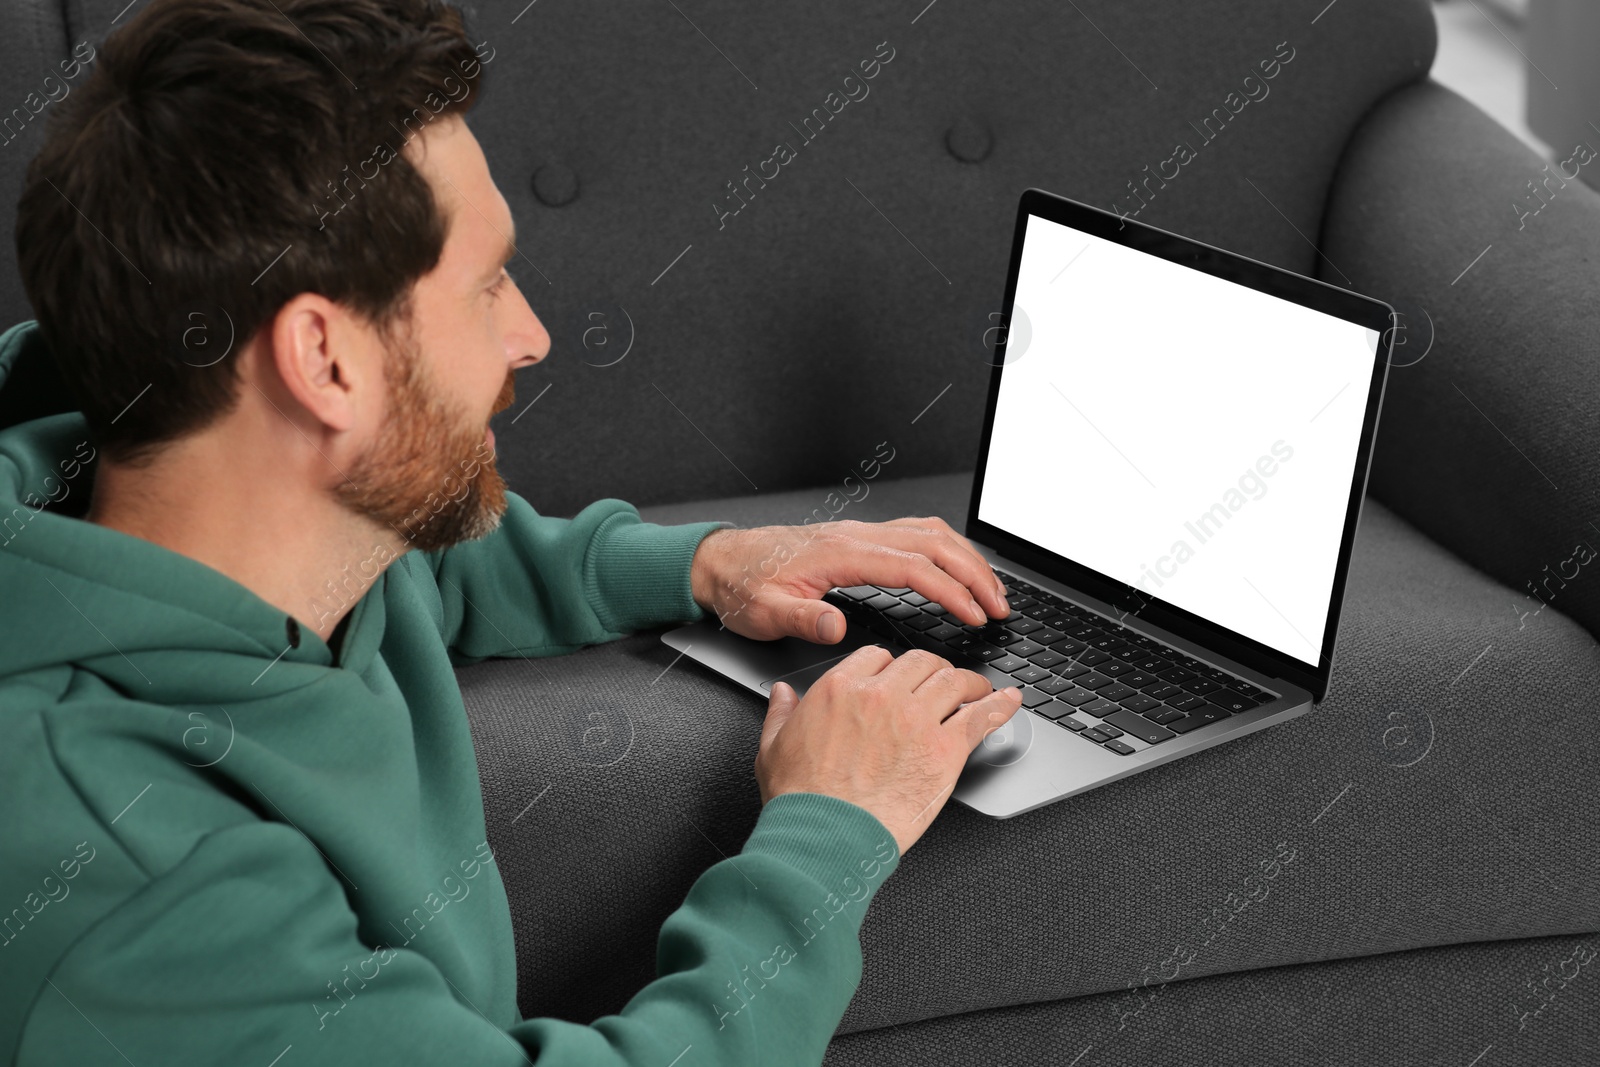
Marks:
<point>940,525</point>
<point>966,577</point>
<point>811,620</point>
<point>864,662</point>
<point>781,703</point>
<point>949,687</point>
<point>911,669</point>
<point>874,556</point>
<point>985,715</point>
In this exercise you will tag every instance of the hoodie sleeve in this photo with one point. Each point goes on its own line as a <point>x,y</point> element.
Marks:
<point>229,956</point>
<point>541,586</point>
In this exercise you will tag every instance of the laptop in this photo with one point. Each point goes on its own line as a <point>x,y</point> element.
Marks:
<point>1174,454</point>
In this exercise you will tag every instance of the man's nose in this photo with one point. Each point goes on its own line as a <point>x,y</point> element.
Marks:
<point>531,342</point>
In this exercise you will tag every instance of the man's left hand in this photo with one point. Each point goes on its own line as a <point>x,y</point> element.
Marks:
<point>767,582</point>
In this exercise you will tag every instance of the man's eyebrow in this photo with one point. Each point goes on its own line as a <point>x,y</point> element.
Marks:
<point>507,250</point>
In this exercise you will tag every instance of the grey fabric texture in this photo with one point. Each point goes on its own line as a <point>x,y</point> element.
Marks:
<point>31,49</point>
<point>857,284</point>
<point>1449,1005</point>
<point>1434,798</point>
<point>1487,443</point>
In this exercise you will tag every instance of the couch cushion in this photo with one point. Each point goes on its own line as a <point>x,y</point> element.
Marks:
<point>1441,1005</point>
<point>773,346</point>
<point>1488,440</point>
<point>1433,798</point>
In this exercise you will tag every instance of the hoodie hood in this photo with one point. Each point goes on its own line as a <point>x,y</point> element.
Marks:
<point>113,604</point>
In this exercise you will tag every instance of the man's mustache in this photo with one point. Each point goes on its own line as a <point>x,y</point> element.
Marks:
<point>508,394</point>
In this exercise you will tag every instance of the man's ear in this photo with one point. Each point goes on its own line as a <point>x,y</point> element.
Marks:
<point>317,348</point>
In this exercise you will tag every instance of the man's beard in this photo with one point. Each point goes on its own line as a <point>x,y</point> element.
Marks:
<point>430,476</point>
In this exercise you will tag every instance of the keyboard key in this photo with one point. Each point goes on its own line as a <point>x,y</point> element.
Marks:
<point>1032,698</point>
<point>1030,674</point>
<point>1141,680</point>
<point>922,622</point>
<point>1094,733</point>
<point>1093,680</point>
<point>998,636</point>
<point>1121,748</point>
<point>1202,686</point>
<point>1163,691</point>
<point>1092,656</point>
<point>1021,624</point>
<point>1076,725</point>
<point>1099,706</point>
<point>1109,730</point>
<point>1018,603</point>
<point>928,609</point>
<point>1139,727</point>
<point>1069,646</point>
<point>1115,668</point>
<point>1177,675</point>
<point>1082,632</point>
<point>1009,663</point>
<point>984,652</point>
<point>1047,658</point>
<point>1054,710</point>
<point>860,592</point>
<point>1196,719</point>
<point>998,679</point>
<point>1231,701</point>
<point>1139,702</point>
<point>881,602</point>
<point>916,599</point>
<point>1076,697</point>
<point>1040,613</point>
<point>1053,685</point>
<point>1109,643</point>
<point>896,592</point>
<point>1116,691</point>
<point>1186,702</point>
<point>902,611</point>
<point>1153,664</point>
<point>1164,714</point>
<point>943,632</point>
<point>1046,636</point>
<point>1025,648</point>
<point>1069,670</point>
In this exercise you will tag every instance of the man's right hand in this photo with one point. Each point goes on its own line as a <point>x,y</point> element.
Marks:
<point>884,733</point>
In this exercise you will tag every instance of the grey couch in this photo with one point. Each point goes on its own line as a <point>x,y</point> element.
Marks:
<point>1432,823</point>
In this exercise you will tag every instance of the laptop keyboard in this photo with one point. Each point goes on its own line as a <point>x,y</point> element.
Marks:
<point>1090,675</point>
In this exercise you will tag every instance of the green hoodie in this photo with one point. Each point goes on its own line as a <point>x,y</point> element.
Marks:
<point>223,843</point>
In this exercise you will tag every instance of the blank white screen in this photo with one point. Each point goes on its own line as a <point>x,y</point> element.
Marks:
<point>1130,432</point>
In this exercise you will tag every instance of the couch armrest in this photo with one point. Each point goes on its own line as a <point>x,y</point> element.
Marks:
<point>1489,443</point>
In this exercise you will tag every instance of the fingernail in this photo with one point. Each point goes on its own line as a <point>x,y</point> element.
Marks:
<point>1013,692</point>
<point>973,604</point>
<point>828,628</point>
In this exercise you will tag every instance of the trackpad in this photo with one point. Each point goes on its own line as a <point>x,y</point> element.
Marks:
<point>801,679</point>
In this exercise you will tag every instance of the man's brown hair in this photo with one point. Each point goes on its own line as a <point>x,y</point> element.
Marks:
<point>222,157</point>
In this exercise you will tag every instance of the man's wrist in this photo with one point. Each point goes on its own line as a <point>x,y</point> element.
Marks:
<point>703,569</point>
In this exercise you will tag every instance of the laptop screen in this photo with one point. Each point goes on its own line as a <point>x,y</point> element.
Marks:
<point>1182,434</point>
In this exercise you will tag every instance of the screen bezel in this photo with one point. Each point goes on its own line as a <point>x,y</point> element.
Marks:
<point>1254,274</point>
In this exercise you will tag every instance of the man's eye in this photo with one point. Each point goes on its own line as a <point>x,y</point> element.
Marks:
<point>499,285</point>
